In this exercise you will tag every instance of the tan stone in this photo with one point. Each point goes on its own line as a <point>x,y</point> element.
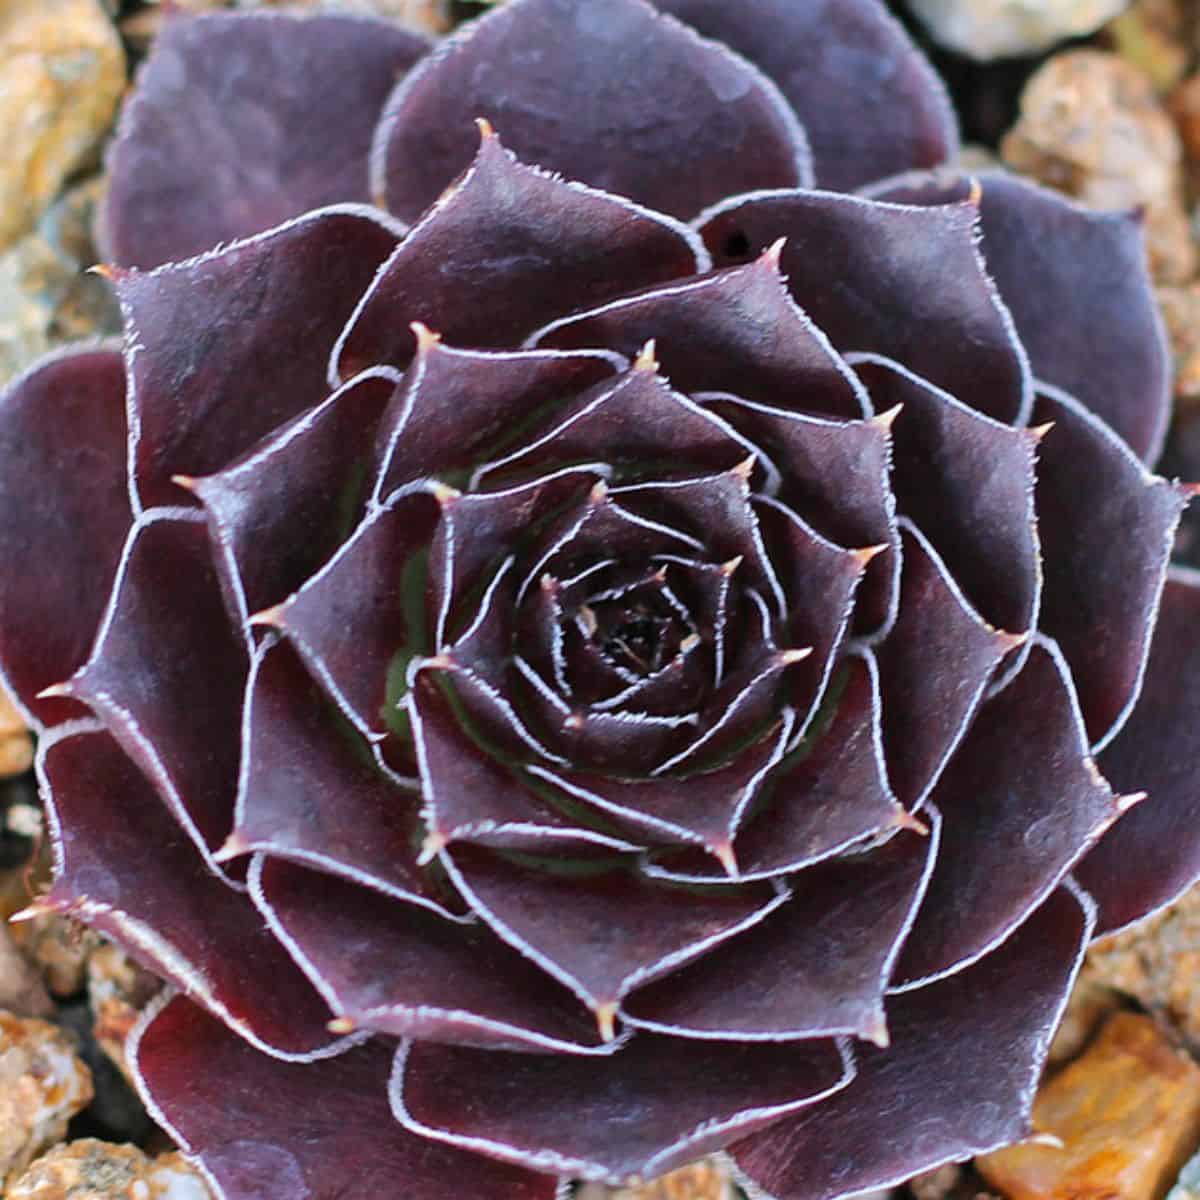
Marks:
<point>1127,1113</point>
<point>1181,311</point>
<point>16,746</point>
<point>93,1170</point>
<point>1158,963</point>
<point>118,990</point>
<point>429,16</point>
<point>21,988</point>
<point>60,948</point>
<point>62,72</point>
<point>1153,36</point>
<point>43,1084</point>
<point>1093,126</point>
<point>1091,1003</point>
<point>700,1181</point>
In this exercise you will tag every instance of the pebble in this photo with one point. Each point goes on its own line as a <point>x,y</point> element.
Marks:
<point>43,1084</point>
<point>59,947</point>
<point>700,1181</point>
<point>1158,963</point>
<point>987,29</point>
<point>1181,311</point>
<point>1092,125</point>
<point>118,990</point>
<point>1127,1115</point>
<point>1187,1186</point>
<point>22,991</point>
<point>1154,36</point>
<point>16,744</point>
<point>1091,1003</point>
<point>93,1170</point>
<point>62,73</point>
<point>46,299</point>
<point>429,16</point>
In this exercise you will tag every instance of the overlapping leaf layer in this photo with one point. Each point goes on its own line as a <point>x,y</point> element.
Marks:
<point>613,669</point>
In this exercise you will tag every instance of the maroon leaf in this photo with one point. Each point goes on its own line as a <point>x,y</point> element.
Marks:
<point>166,673</point>
<point>261,1128</point>
<point>309,790</point>
<point>469,796</point>
<point>1076,282</point>
<point>902,271</point>
<point>831,793</point>
<point>618,137</point>
<point>967,482</point>
<point>1107,527</point>
<point>633,1115</point>
<point>386,966</point>
<point>298,493</point>
<point>490,396</point>
<point>818,966</point>
<point>138,881</point>
<point>354,616</point>
<point>1022,802</point>
<point>228,346</point>
<point>243,121</point>
<point>735,331</point>
<point>933,669</point>
<point>508,248</point>
<point>814,458</point>
<point>604,931</point>
<point>896,115</point>
<point>1152,855</point>
<point>64,505</point>
<point>958,1079</point>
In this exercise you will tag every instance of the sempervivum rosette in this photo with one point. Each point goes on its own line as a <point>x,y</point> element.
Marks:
<point>597,683</point>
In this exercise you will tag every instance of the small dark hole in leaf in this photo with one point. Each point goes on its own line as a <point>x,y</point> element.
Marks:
<point>736,245</point>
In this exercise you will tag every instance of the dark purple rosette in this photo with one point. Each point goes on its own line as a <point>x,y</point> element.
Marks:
<point>579,653</point>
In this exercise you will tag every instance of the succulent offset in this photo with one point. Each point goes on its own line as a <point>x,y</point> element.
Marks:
<point>654,637</point>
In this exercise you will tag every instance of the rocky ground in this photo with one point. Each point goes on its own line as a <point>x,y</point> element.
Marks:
<point>1101,100</point>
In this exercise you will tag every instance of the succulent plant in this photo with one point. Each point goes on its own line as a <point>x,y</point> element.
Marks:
<point>620,668</point>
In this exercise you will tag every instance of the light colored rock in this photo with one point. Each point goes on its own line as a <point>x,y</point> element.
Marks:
<point>43,1084</point>
<point>700,1181</point>
<point>118,990</point>
<point>21,988</point>
<point>1187,1186</point>
<point>93,1170</point>
<point>1158,963</point>
<point>429,16</point>
<point>936,1184</point>
<point>16,745</point>
<point>1093,126</point>
<point>62,72</point>
<point>46,299</point>
<point>1091,1003</point>
<point>1127,1114</point>
<point>987,29</point>
<point>1153,35</point>
<point>1181,312</point>
<point>59,947</point>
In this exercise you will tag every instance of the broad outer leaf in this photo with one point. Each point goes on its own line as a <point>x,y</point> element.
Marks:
<point>895,116</point>
<point>958,1079</point>
<point>505,250</point>
<point>227,346</point>
<point>122,866</point>
<point>1076,283</point>
<point>555,80</point>
<point>911,284</point>
<point>264,1130</point>
<point>167,672</point>
<point>386,966</point>
<point>1153,854</point>
<point>242,121</point>
<point>653,1106</point>
<point>818,966</point>
<point>64,514</point>
<point>1107,527</point>
<point>1021,802</point>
